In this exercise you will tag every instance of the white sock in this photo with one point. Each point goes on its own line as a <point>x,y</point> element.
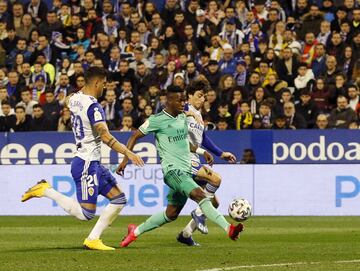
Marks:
<point>69,205</point>
<point>189,229</point>
<point>109,214</point>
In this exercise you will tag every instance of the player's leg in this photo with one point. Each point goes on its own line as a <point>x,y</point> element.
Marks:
<point>176,202</point>
<point>196,193</point>
<point>82,211</point>
<point>212,182</point>
<point>155,221</point>
<point>108,188</point>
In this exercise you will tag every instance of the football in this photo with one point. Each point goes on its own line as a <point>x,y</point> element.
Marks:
<point>239,209</point>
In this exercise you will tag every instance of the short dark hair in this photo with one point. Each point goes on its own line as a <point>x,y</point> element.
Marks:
<point>37,106</point>
<point>195,86</point>
<point>94,72</point>
<point>20,107</point>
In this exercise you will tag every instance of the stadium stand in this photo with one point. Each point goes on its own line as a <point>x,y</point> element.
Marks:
<point>266,64</point>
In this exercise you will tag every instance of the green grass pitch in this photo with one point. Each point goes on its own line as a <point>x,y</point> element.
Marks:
<point>268,243</point>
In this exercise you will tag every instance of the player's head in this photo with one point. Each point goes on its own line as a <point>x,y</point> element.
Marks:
<point>95,79</point>
<point>196,94</point>
<point>175,99</point>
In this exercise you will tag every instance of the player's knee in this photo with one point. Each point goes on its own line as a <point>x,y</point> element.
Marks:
<point>171,214</point>
<point>215,202</point>
<point>119,199</point>
<point>216,180</point>
<point>198,195</point>
<point>88,213</point>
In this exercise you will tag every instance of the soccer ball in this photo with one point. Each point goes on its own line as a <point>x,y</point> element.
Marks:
<point>239,209</point>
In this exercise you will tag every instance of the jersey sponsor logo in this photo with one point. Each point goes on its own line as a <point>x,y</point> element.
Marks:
<point>97,115</point>
<point>196,126</point>
<point>177,138</point>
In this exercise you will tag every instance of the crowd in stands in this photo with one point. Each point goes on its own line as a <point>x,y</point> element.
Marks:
<point>264,64</point>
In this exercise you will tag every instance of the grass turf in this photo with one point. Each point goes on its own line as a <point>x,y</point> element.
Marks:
<point>55,243</point>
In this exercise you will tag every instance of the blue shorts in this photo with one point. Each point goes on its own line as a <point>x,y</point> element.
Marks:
<point>91,179</point>
<point>195,167</point>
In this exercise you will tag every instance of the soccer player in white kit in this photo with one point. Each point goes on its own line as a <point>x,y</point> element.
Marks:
<point>203,175</point>
<point>91,178</point>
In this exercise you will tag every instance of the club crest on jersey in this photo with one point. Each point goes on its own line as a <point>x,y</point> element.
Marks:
<point>97,114</point>
<point>91,191</point>
<point>194,164</point>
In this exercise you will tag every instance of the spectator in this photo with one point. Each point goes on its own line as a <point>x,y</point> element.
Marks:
<point>244,118</point>
<point>294,119</point>
<point>224,114</point>
<point>23,121</point>
<point>127,124</point>
<point>307,108</point>
<point>248,157</point>
<point>265,115</point>
<point>264,71</point>
<point>318,64</point>
<point>305,78</point>
<point>280,123</point>
<point>39,121</point>
<point>51,108</point>
<point>7,118</point>
<point>213,74</point>
<point>287,67</point>
<point>127,109</point>
<point>222,124</point>
<point>322,122</point>
<point>343,115</point>
<point>111,107</point>
<point>259,97</point>
<point>64,123</point>
<point>26,101</point>
<point>228,63</point>
<point>353,95</point>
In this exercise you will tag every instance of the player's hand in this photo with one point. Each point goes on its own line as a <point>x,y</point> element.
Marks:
<point>120,169</point>
<point>135,159</point>
<point>228,156</point>
<point>209,158</point>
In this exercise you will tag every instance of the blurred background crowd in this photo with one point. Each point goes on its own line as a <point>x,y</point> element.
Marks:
<point>282,64</point>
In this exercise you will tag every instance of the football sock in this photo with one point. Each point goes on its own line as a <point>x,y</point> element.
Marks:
<point>69,205</point>
<point>108,215</point>
<point>209,192</point>
<point>213,214</point>
<point>153,222</point>
<point>189,229</point>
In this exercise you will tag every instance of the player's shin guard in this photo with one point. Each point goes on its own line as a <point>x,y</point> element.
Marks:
<point>153,222</point>
<point>108,215</point>
<point>69,205</point>
<point>213,214</point>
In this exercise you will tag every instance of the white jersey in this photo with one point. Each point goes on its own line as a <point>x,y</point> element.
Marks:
<point>85,112</point>
<point>195,130</point>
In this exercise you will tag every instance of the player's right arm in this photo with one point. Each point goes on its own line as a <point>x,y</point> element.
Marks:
<point>151,125</point>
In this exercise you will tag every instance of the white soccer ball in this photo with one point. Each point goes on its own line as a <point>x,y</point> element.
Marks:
<point>239,209</point>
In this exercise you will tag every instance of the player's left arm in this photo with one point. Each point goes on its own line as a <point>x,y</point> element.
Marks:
<point>208,156</point>
<point>211,146</point>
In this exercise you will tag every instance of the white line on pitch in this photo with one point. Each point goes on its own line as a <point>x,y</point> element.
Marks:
<point>275,265</point>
